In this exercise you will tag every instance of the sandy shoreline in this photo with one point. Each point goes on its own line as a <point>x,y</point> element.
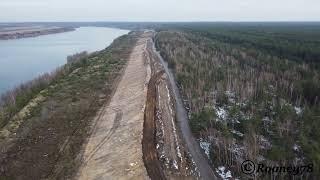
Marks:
<point>27,32</point>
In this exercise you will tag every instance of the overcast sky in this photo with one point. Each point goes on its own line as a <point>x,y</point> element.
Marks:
<point>159,10</point>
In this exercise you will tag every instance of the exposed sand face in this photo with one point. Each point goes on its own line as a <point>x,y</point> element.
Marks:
<point>114,149</point>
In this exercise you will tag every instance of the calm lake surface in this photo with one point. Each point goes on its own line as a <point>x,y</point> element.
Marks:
<point>24,59</point>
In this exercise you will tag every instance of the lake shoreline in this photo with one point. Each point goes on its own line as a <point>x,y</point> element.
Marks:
<point>27,58</point>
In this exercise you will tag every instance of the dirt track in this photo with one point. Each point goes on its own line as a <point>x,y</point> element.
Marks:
<point>191,144</point>
<point>114,149</point>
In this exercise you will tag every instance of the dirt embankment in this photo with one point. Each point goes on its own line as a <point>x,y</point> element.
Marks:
<point>150,156</point>
<point>114,149</point>
<point>164,154</point>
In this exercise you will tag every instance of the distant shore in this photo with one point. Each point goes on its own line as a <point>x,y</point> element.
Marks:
<point>26,32</point>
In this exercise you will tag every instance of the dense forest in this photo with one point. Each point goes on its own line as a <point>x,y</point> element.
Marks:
<point>252,91</point>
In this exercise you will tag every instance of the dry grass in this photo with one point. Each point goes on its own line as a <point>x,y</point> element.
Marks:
<point>46,140</point>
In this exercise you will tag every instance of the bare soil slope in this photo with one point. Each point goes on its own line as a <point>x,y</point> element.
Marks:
<point>114,149</point>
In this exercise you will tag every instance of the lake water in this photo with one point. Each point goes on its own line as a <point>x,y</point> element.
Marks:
<point>24,59</point>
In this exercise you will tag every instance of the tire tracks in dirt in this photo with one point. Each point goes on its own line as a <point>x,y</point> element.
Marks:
<point>116,124</point>
<point>114,150</point>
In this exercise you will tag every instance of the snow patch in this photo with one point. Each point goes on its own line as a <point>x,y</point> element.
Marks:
<point>221,113</point>
<point>221,170</point>
<point>237,150</point>
<point>238,133</point>
<point>174,127</point>
<point>205,146</point>
<point>298,110</point>
<point>296,147</point>
<point>175,165</point>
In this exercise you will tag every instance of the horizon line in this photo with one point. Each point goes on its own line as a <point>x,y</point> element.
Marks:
<point>266,21</point>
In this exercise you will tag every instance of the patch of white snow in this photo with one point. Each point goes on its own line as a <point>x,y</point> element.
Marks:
<point>205,146</point>
<point>221,113</point>
<point>298,110</point>
<point>296,147</point>
<point>238,133</point>
<point>221,170</point>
